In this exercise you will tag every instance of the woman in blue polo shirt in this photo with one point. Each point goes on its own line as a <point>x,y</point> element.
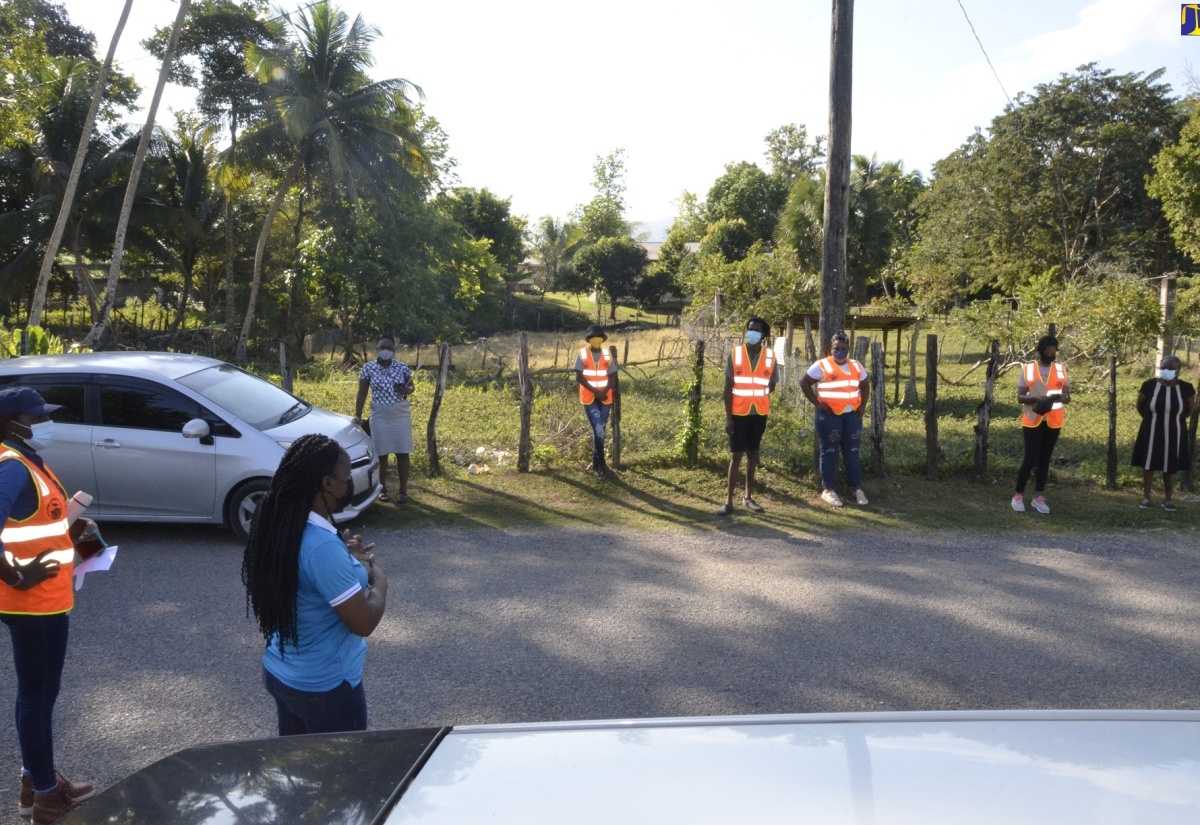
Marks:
<point>316,595</point>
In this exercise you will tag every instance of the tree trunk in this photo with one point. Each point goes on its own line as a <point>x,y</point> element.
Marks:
<point>983,414</point>
<point>135,174</point>
<point>878,407</point>
<point>1110,470</point>
<point>931,420</point>
<point>524,442</point>
<point>260,252</point>
<point>435,465</point>
<point>38,305</point>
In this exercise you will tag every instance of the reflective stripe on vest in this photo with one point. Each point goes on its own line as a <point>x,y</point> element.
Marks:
<point>45,530</point>
<point>596,376</point>
<point>752,386</point>
<point>839,386</point>
<point>1056,379</point>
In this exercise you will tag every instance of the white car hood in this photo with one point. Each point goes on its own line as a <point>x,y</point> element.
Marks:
<point>335,425</point>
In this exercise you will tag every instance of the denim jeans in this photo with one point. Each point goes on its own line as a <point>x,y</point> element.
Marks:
<point>334,711</point>
<point>39,651</point>
<point>845,432</point>
<point>597,416</point>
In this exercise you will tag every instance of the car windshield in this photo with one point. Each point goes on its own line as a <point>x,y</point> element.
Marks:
<point>259,403</point>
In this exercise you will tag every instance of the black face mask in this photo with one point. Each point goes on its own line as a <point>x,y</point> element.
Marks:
<point>1047,359</point>
<point>343,501</point>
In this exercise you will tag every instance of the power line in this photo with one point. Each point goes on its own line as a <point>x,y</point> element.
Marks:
<point>985,54</point>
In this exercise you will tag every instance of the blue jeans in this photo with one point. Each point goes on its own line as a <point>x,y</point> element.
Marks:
<point>597,416</point>
<point>334,711</point>
<point>39,651</point>
<point>845,432</point>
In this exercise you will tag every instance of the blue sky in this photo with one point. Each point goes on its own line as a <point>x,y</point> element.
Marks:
<point>530,91</point>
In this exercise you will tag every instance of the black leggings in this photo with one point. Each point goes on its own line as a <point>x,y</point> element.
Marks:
<point>1039,446</point>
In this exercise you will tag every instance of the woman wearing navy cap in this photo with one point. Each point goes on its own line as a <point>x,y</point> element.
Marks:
<point>36,596</point>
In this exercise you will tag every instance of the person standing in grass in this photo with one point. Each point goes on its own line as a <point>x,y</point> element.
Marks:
<point>596,374</point>
<point>1164,403</point>
<point>750,377</point>
<point>837,386</point>
<point>1043,390</point>
<point>390,383</point>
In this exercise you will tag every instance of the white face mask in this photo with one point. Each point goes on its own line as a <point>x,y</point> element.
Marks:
<point>41,435</point>
<point>386,354</point>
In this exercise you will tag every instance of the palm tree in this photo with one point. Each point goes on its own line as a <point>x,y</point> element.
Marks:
<point>330,119</point>
<point>135,174</point>
<point>68,198</point>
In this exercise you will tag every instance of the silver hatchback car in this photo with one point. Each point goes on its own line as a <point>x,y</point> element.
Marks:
<point>160,436</point>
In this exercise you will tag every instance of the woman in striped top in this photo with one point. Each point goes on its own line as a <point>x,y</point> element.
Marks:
<point>1164,403</point>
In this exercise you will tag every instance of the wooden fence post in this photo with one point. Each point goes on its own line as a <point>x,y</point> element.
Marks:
<point>1110,470</point>
<point>615,414</point>
<point>861,345</point>
<point>983,413</point>
<point>692,444</point>
<point>285,372</point>
<point>931,421</point>
<point>435,466</point>
<point>789,337</point>
<point>878,407</point>
<point>910,388</point>
<point>524,443</point>
<point>624,355</point>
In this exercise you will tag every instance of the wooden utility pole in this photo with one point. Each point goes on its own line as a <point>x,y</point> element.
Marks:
<point>837,180</point>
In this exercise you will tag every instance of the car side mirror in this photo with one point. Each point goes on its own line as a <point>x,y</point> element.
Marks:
<point>198,428</point>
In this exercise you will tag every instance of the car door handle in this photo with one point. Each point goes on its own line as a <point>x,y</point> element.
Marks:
<point>108,442</point>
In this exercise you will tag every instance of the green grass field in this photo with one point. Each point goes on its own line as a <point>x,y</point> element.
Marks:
<point>479,424</point>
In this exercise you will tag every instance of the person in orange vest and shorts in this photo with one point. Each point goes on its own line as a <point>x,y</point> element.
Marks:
<point>750,377</point>
<point>596,374</point>
<point>36,595</point>
<point>1043,390</point>
<point>837,386</point>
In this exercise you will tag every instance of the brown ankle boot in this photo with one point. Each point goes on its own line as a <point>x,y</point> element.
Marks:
<point>48,808</point>
<point>76,790</point>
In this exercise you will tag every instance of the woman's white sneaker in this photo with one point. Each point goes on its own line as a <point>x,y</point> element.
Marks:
<point>830,497</point>
<point>1018,503</point>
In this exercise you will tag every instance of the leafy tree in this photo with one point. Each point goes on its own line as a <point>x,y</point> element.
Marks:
<point>1176,183</point>
<point>1057,186</point>
<point>486,217</point>
<point>748,193</point>
<point>791,155</point>
<point>690,224</point>
<point>730,238</point>
<point>612,266</point>
<point>604,215</point>
<point>328,115</point>
<point>768,284</point>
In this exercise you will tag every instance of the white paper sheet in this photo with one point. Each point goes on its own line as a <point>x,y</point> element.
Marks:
<point>101,561</point>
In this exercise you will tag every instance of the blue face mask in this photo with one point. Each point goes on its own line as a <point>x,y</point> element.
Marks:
<point>753,336</point>
<point>840,354</point>
<point>1168,375</point>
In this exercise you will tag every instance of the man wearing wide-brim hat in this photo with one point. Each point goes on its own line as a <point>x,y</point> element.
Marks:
<point>596,374</point>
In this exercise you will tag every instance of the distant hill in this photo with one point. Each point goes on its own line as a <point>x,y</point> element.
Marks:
<point>655,230</point>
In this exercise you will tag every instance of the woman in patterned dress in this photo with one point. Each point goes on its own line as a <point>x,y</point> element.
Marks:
<point>1164,403</point>
<point>390,382</point>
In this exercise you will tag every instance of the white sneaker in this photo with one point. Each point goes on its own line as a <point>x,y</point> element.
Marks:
<point>831,497</point>
<point>1018,503</point>
<point>860,497</point>
<point>1040,505</point>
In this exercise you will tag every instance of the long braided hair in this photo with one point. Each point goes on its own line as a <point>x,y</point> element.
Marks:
<point>271,564</point>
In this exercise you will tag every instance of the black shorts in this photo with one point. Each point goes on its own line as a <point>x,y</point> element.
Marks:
<point>747,433</point>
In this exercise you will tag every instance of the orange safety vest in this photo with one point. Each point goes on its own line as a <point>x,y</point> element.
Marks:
<point>45,530</point>
<point>1055,381</point>
<point>839,384</point>
<point>596,375</point>
<point>752,386</point>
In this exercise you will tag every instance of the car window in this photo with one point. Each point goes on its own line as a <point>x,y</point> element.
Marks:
<point>145,408</point>
<point>70,396</point>
<point>259,403</point>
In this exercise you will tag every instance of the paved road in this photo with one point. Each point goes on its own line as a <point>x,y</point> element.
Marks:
<point>551,624</point>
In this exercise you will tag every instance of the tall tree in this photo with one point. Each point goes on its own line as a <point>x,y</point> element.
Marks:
<point>68,198</point>
<point>555,243</point>
<point>114,270</point>
<point>747,193</point>
<point>486,217</point>
<point>328,113</point>
<point>604,215</point>
<point>791,155</point>
<point>613,266</point>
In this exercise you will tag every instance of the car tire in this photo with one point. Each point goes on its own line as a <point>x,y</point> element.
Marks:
<point>242,504</point>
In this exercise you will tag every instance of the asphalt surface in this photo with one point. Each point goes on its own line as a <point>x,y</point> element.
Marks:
<point>530,625</point>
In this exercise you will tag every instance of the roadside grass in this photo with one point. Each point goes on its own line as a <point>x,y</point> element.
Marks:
<point>479,424</point>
